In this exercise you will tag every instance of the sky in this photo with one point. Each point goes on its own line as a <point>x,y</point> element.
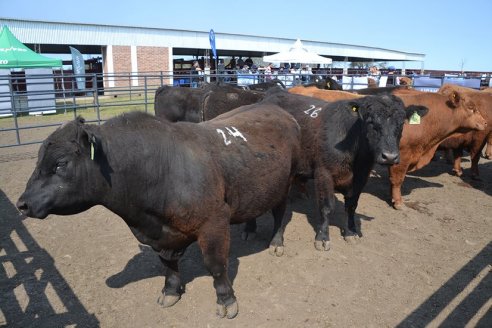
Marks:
<point>454,35</point>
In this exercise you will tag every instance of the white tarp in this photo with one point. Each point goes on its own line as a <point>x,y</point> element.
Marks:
<point>40,86</point>
<point>297,54</point>
<point>5,98</point>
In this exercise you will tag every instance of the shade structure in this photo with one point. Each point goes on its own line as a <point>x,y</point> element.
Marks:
<point>297,54</point>
<point>14,54</point>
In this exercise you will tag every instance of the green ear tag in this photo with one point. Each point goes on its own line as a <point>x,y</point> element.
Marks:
<point>92,151</point>
<point>414,119</point>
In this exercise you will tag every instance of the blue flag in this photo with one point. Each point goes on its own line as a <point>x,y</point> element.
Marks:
<point>78,67</point>
<point>211,36</point>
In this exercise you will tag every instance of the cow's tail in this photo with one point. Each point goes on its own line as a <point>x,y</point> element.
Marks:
<point>203,106</point>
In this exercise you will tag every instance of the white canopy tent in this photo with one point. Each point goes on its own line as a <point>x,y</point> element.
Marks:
<point>297,54</point>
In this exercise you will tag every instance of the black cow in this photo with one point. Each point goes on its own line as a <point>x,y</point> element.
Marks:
<point>325,83</point>
<point>201,104</point>
<point>173,183</point>
<point>264,86</point>
<point>341,142</point>
<point>178,104</point>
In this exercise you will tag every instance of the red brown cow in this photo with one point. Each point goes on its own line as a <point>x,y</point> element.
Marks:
<point>455,112</point>
<point>327,95</point>
<point>472,141</point>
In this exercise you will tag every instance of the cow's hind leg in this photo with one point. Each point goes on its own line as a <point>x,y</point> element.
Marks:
<point>214,241</point>
<point>171,293</point>
<point>249,232</point>
<point>325,195</point>
<point>281,216</point>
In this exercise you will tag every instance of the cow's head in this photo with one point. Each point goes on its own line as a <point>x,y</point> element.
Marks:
<point>383,118</point>
<point>63,181</point>
<point>467,105</point>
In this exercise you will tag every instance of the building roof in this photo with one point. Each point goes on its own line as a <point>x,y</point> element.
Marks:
<point>55,37</point>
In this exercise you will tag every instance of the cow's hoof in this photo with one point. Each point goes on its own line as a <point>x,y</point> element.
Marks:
<point>168,300</point>
<point>276,250</point>
<point>248,235</point>
<point>458,173</point>
<point>230,311</point>
<point>351,238</point>
<point>398,206</point>
<point>322,245</point>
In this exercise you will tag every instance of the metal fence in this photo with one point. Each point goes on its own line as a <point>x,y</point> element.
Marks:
<point>31,107</point>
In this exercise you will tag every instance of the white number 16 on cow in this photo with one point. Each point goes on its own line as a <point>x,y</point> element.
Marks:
<point>232,131</point>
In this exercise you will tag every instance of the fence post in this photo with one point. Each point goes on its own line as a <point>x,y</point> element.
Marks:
<point>145,93</point>
<point>96,98</point>
<point>14,107</point>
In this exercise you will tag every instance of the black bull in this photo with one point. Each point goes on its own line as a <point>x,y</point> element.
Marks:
<point>169,188</point>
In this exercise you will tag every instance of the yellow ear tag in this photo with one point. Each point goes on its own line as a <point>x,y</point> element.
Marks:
<point>92,151</point>
<point>328,84</point>
<point>414,119</point>
<point>354,109</point>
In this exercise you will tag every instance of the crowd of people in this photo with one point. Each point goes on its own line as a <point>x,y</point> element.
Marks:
<point>245,72</point>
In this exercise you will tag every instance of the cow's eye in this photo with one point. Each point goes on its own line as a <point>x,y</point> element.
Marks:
<point>60,166</point>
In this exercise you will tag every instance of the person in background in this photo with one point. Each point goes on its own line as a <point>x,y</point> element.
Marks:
<point>295,71</point>
<point>221,70</point>
<point>306,73</point>
<point>240,63</point>
<point>268,72</point>
<point>195,71</point>
<point>249,62</point>
<point>374,74</point>
<point>392,78</point>
<point>232,63</point>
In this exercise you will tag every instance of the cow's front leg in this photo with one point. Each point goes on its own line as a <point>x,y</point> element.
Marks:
<point>350,230</point>
<point>214,240</point>
<point>361,175</point>
<point>171,293</point>
<point>397,174</point>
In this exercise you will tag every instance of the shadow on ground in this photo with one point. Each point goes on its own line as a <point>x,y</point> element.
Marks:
<point>30,283</point>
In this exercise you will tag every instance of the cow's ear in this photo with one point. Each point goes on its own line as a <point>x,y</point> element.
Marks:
<point>357,109</point>
<point>92,140</point>
<point>454,99</point>
<point>420,110</point>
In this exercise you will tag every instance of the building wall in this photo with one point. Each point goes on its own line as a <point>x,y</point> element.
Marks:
<point>120,61</point>
<point>122,64</point>
<point>153,59</point>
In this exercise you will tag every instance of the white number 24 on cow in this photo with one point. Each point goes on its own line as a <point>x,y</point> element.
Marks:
<point>232,131</point>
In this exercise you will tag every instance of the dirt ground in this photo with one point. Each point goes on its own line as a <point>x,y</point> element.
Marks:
<point>427,265</point>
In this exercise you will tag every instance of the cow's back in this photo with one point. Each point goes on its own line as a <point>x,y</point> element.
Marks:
<point>257,150</point>
<point>219,99</point>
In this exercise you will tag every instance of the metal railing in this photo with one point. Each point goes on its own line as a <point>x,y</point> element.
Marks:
<point>26,102</point>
